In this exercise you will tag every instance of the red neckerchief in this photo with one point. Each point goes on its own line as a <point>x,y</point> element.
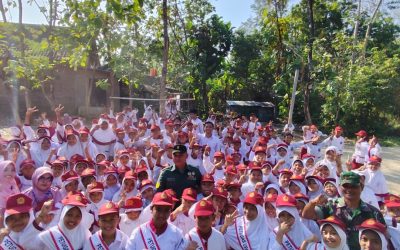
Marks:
<point>153,227</point>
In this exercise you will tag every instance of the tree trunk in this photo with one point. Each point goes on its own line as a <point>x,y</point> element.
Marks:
<point>3,11</point>
<point>164,71</point>
<point>309,82</point>
<point>355,32</point>
<point>367,34</point>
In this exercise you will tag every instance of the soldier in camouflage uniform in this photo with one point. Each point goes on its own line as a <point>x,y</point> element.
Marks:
<point>349,208</point>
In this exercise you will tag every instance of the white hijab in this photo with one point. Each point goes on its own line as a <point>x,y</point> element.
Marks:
<point>105,135</point>
<point>24,237</point>
<point>77,236</point>
<point>298,231</point>
<point>257,231</point>
<point>322,246</point>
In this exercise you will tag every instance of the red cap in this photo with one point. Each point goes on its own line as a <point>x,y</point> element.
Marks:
<point>95,187</point>
<point>162,199</point>
<point>104,163</point>
<point>145,184</point>
<point>375,159</point>
<point>374,225</point>
<point>171,193</point>
<point>84,130</point>
<point>233,184</point>
<point>221,192</point>
<point>297,178</point>
<point>361,133</point>
<point>204,208</point>
<point>123,170</point>
<point>254,166</point>
<point>285,200</point>
<point>154,127</point>
<point>229,159</point>
<point>58,162</point>
<point>75,199</point>
<point>230,130</point>
<point>271,198</point>
<point>119,130</point>
<point>285,171</point>
<point>262,140</point>
<point>169,146</point>
<point>242,167</point>
<point>108,208</point>
<point>260,149</point>
<point>220,183</point>
<point>231,169</point>
<point>88,172</point>
<point>18,203</point>
<point>207,178</point>
<point>189,194</point>
<point>130,175</point>
<point>69,176</point>
<point>27,162</point>
<point>333,220</point>
<point>219,154</point>
<point>236,140</point>
<point>168,123</point>
<point>306,156</point>
<point>300,196</point>
<point>134,203</point>
<point>338,128</point>
<point>253,198</point>
<point>69,132</point>
<point>77,158</point>
<point>392,200</point>
<point>141,168</point>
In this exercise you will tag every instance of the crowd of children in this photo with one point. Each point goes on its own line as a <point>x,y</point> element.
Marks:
<point>67,186</point>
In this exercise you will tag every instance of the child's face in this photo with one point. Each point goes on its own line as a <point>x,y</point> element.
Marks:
<point>256,176</point>
<point>96,197</point>
<point>148,194</point>
<point>260,157</point>
<point>300,206</point>
<point>187,204</point>
<point>57,170</point>
<point>282,152</point>
<point>124,159</point>
<point>100,158</point>
<point>45,144</point>
<point>80,167</point>
<point>271,191</point>
<point>270,210</point>
<point>87,180</point>
<point>44,182</point>
<point>284,180</point>
<point>293,188</point>
<point>218,202</point>
<point>297,167</point>
<point>27,171</point>
<point>100,169</point>
<point>330,189</point>
<point>108,223</point>
<point>330,155</point>
<point>373,167</point>
<point>72,218</point>
<point>72,186</point>
<point>235,193</point>
<point>17,222</point>
<point>142,176</point>
<point>310,163</point>
<point>206,188</point>
<point>133,215</point>
<point>370,240</point>
<point>323,171</point>
<point>286,217</point>
<point>48,218</point>
<point>330,236</point>
<point>312,185</point>
<point>250,211</point>
<point>9,172</point>
<point>204,223</point>
<point>111,180</point>
<point>129,185</point>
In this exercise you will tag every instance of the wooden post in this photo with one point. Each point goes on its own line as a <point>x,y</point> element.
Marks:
<point>292,100</point>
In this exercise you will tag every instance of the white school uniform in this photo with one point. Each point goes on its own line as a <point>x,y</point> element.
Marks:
<point>215,242</point>
<point>127,225</point>
<point>96,242</point>
<point>183,222</point>
<point>143,237</point>
<point>338,142</point>
<point>213,142</point>
<point>360,150</point>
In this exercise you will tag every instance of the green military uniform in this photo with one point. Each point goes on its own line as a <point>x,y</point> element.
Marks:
<point>177,179</point>
<point>351,217</point>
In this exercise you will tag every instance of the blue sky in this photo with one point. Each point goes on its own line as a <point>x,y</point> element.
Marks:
<point>235,11</point>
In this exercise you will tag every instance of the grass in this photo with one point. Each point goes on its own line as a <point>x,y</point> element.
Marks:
<point>393,141</point>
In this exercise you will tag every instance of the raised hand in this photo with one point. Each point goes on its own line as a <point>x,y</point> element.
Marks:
<point>30,111</point>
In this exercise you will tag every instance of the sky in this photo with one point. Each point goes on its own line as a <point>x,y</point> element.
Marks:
<point>234,11</point>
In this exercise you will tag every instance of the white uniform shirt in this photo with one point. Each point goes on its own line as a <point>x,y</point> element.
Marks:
<point>171,239</point>
<point>127,225</point>
<point>118,244</point>
<point>215,242</point>
<point>184,223</point>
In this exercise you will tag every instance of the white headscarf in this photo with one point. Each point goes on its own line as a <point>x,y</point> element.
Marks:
<point>381,235</point>
<point>298,231</point>
<point>22,238</point>
<point>257,231</point>
<point>343,238</point>
<point>76,236</point>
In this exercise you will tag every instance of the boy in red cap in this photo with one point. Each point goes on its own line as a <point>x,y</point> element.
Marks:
<point>108,237</point>
<point>180,216</point>
<point>206,186</point>
<point>147,190</point>
<point>360,150</point>
<point>95,194</point>
<point>21,227</point>
<point>158,232</point>
<point>372,235</point>
<point>131,218</point>
<point>215,168</point>
<point>204,235</point>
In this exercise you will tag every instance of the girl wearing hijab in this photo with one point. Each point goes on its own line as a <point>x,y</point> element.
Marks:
<point>249,231</point>
<point>71,147</point>
<point>372,235</point>
<point>8,186</point>
<point>27,169</point>
<point>21,226</point>
<point>112,184</point>
<point>333,236</point>
<point>41,189</point>
<point>291,232</point>
<point>70,183</point>
<point>314,185</point>
<point>103,137</point>
<point>41,153</point>
<point>15,153</point>
<point>270,211</point>
<point>95,194</point>
<point>71,231</point>
<point>331,189</point>
<point>128,188</point>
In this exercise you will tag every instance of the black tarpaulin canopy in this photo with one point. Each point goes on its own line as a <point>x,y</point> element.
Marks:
<point>265,111</point>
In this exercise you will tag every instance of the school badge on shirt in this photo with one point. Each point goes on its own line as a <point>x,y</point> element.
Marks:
<point>191,176</point>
